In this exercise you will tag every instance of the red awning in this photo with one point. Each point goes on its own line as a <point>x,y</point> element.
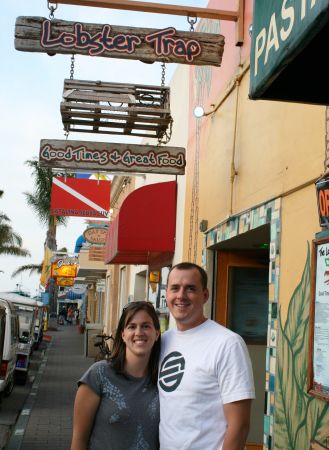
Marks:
<point>143,232</point>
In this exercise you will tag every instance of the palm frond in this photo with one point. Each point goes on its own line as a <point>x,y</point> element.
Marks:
<point>33,268</point>
<point>40,198</point>
<point>13,250</point>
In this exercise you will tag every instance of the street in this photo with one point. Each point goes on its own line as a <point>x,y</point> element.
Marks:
<point>38,415</point>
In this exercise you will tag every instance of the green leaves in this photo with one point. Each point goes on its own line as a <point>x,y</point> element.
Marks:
<point>10,241</point>
<point>298,416</point>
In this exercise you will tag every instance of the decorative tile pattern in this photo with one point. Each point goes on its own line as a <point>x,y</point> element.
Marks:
<point>268,213</point>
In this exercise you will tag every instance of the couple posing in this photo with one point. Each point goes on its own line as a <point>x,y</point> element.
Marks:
<point>204,379</point>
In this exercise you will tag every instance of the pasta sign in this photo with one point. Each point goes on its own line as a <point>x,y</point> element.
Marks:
<point>37,34</point>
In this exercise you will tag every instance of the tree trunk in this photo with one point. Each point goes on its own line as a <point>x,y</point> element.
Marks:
<point>52,245</point>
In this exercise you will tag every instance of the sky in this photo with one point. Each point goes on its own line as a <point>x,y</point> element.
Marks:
<point>31,86</point>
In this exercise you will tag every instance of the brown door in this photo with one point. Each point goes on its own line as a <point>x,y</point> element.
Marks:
<point>242,305</point>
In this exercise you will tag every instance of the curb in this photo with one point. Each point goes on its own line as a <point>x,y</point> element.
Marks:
<point>18,432</point>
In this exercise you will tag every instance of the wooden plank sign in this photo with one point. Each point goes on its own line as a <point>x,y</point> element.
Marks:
<point>108,157</point>
<point>37,34</point>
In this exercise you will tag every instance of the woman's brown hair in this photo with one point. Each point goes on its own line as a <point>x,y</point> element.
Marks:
<point>119,347</point>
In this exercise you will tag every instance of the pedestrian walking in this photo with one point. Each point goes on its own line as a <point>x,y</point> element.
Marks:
<point>69,315</point>
<point>205,379</point>
<point>117,405</point>
<point>77,316</point>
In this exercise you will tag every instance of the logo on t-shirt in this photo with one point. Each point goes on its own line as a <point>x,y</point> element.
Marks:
<point>171,371</point>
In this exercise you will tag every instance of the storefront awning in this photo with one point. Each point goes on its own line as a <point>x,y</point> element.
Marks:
<point>143,232</point>
<point>289,51</point>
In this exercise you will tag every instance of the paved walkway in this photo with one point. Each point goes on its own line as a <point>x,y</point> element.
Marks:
<point>46,420</point>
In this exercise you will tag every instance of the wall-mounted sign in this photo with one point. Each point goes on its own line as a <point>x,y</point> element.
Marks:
<point>103,156</point>
<point>37,34</point>
<point>100,285</point>
<point>80,197</point>
<point>318,369</point>
<point>64,267</point>
<point>289,38</point>
<point>96,235</point>
<point>322,193</point>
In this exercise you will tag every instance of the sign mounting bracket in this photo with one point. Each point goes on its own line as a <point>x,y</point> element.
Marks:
<point>178,10</point>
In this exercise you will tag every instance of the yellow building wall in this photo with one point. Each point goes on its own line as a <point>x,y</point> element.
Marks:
<point>298,227</point>
<point>276,147</point>
<point>240,156</point>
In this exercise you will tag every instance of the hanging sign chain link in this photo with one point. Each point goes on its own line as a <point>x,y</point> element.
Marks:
<point>52,9</point>
<point>72,67</point>
<point>192,21</point>
<point>163,74</point>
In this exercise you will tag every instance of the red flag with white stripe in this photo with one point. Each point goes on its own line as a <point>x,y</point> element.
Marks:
<point>80,197</point>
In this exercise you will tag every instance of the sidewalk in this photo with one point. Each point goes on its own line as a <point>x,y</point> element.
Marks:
<point>46,420</point>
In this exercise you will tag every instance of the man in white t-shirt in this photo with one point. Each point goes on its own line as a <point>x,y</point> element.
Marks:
<point>205,376</point>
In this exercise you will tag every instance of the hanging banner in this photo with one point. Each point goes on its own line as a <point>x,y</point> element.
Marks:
<point>80,197</point>
<point>45,273</point>
<point>105,156</point>
<point>37,34</point>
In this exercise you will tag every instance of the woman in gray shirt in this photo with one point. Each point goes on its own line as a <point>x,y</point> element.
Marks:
<point>117,405</point>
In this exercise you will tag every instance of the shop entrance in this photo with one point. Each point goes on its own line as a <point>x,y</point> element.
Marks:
<point>242,305</point>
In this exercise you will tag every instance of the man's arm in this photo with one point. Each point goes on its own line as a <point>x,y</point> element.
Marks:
<point>238,420</point>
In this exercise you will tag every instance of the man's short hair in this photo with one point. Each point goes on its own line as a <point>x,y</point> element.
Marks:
<point>190,266</point>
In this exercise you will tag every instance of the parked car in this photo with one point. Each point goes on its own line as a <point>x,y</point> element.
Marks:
<point>38,325</point>
<point>9,341</point>
<point>27,310</point>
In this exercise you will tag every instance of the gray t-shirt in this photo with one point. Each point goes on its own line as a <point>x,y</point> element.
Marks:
<point>128,414</point>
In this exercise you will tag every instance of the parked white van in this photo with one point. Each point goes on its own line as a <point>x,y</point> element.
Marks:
<point>10,336</point>
<point>38,325</point>
<point>27,309</point>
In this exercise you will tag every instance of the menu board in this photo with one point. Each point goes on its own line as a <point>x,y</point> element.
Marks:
<point>319,321</point>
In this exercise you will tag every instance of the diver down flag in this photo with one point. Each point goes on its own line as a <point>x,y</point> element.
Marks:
<point>80,197</point>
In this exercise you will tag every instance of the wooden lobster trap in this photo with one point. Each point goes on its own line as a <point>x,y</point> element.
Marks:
<point>116,108</point>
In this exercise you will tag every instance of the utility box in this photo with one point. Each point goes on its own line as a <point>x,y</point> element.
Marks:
<point>92,329</point>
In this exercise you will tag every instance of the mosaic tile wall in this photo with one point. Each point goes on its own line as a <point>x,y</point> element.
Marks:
<point>268,213</point>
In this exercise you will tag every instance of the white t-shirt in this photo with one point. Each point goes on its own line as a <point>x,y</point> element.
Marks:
<point>200,370</point>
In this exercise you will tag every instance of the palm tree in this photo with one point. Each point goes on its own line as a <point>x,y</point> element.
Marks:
<point>10,241</point>
<point>40,200</point>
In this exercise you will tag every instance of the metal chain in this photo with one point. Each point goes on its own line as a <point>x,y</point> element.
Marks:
<point>52,9</point>
<point>163,74</point>
<point>192,21</point>
<point>72,67</point>
<point>167,135</point>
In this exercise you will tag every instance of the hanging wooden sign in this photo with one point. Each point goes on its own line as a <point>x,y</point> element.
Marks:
<point>104,156</point>
<point>37,34</point>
